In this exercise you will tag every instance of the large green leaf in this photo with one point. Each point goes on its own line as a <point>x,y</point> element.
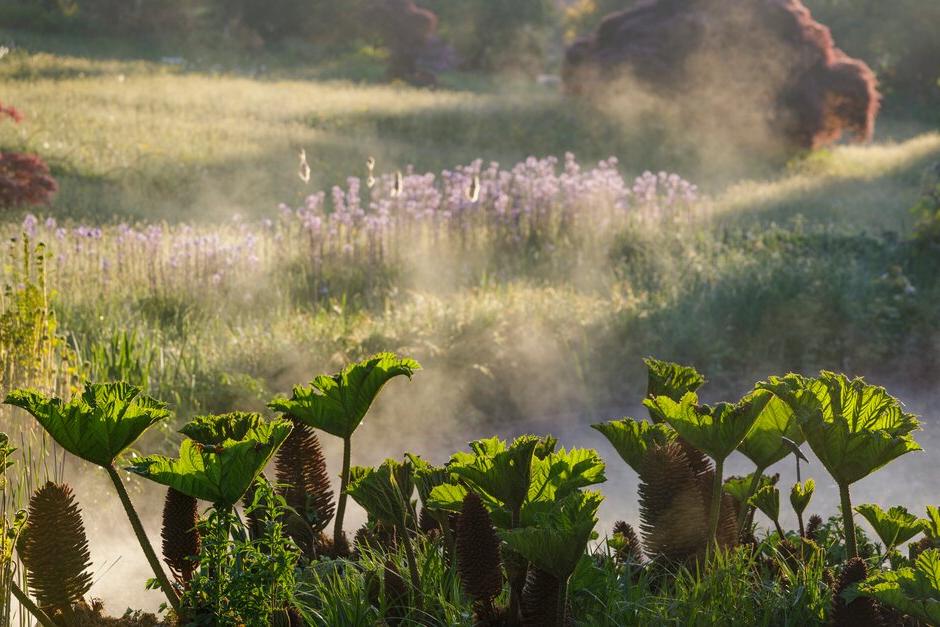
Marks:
<point>764,443</point>
<point>426,477</point>
<point>853,428</point>
<point>633,438</point>
<point>449,497</point>
<point>217,428</point>
<point>503,472</point>
<point>97,425</point>
<point>556,477</point>
<point>716,431</point>
<point>669,379</point>
<point>338,403</point>
<point>801,494</point>
<point>385,492</point>
<point>894,527</point>
<point>558,541</point>
<point>220,473</point>
<point>914,591</point>
<point>932,523</point>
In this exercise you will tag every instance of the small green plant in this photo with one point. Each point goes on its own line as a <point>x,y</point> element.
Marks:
<point>914,591</point>
<point>893,527</point>
<point>338,403</point>
<point>853,428</point>
<point>800,496</point>
<point>767,500</point>
<point>243,580</point>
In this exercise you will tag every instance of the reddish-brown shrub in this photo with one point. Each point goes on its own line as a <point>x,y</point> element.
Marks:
<point>768,58</point>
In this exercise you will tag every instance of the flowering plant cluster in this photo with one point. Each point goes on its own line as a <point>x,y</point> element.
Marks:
<point>473,211</point>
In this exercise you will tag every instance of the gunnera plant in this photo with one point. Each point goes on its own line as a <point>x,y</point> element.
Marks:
<point>300,468</point>
<point>478,557</point>
<point>861,610</point>
<point>180,534</point>
<point>54,549</point>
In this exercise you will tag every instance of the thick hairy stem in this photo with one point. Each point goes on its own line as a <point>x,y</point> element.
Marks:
<point>848,522</point>
<point>413,570</point>
<point>715,504</point>
<point>341,503</point>
<point>162,579</point>
<point>742,513</point>
<point>31,607</point>
<point>561,609</point>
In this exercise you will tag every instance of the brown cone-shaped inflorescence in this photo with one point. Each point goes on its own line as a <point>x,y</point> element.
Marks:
<point>478,554</point>
<point>427,523</point>
<point>181,541</point>
<point>673,506</point>
<point>813,527</point>
<point>916,548</point>
<point>301,469</point>
<point>540,600</point>
<point>375,536</point>
<point>54,549</point>
<point>861,611</point>
<point>630,552</point>
<point>396,595</point>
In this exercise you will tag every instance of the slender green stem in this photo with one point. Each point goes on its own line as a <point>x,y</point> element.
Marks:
<point>413,570</point>
<point>561,609</point>
<point>779,529</point>
<point>742,513</point>
<point>848,521</point>
<point>341,504</point>
<point>31,607</point>
<point>716,502</point>
<point>799,520</point>
<point>141,534</point>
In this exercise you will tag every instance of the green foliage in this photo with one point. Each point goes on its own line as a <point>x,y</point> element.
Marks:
<point>97,425</point>
<point>384,492</point>
<point>633,438</point>
<point>894,527</point>
<point>215,429</point>
<point>853,428</point>
<point>516,485</point>
<point>558,540</point>
<point>801,494</point>
<point>914,591</point>
<point>220,473</point>
<point>670,379</point>
<point>767,500</point>
<point>764,444</point>
<point>716,431</point>
<point>932,523</point>
<point>338,403</point>
<point>499,471</point>
<point>243,580</point>
<point>740,487</point>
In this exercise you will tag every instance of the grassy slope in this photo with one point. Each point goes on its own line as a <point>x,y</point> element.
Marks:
<point>141,139</point>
